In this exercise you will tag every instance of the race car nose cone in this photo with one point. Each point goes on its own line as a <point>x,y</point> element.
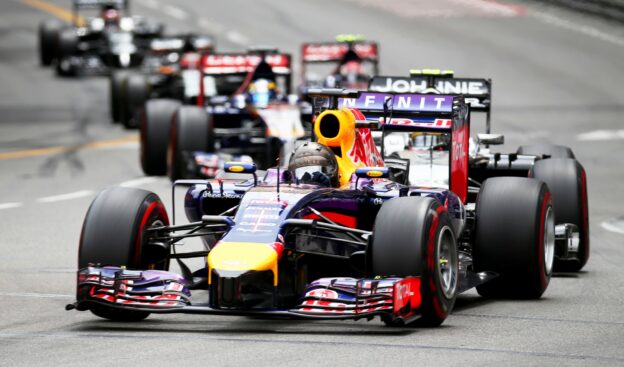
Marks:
<point>241,257</point>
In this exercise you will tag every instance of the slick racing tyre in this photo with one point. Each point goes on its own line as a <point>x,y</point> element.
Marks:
<point>413,236</point>
<point>117,80</point>
<point>113,234</point>
<point>67,46</point>
<point>272,150</point>
<point>514,237</point>
<point>48,40</point>
<point>191,131</point>
<point>546,150</point>
<point>135,92</point>
<point>155,125</point>
<point>567,183</point>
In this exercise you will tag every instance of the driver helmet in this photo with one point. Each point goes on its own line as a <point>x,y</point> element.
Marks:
<point>111,15</point>
<point>262,92</point>
<point>314,163</point>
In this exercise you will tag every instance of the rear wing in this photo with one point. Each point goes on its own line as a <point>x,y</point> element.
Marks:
<point>181,42</point>
<point>97,4</point>
<point>242,63</point>
<point>476,92</point>
<point>406,111</point>
<point>335,51</point>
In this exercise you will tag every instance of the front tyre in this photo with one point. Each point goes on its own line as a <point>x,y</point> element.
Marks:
<point>155,125</point>
<point>414,236</point>
<point>117,80</point>
<point>113,233</point>
<point>48,40</point>
<point>135,91</point>
<point>191,131</point>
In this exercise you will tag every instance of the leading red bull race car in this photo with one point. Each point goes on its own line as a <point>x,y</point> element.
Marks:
<point>334,236</point>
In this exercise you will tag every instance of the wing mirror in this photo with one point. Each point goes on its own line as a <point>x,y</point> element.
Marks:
<point>241,167</point>
<point>372,172</point>
<point>490,139</point>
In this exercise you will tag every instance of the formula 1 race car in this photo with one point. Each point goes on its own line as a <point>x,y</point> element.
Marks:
<point>348,63</point>
<point>107,41</point>
<point>352,60</point>
<point>169,70</point>
<point>555,165</point>
<point>332,237</point>
<point>244,108</point>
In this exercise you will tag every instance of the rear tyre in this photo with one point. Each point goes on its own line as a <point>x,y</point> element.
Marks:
<point>567,183</point>
<point>514,237</point>
<point>549,150</point>
<point>117,80</point>
<point>113,234</point>
<point>191,131</point>
<point>155,125</point>
<point>413,236</point>
<point>135,92</point>
<point>48,40</point>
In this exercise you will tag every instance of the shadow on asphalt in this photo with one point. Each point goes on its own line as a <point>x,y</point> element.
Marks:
<point>245,328</point>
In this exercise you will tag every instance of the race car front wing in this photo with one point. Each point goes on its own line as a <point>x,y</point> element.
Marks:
<point>395,300</point>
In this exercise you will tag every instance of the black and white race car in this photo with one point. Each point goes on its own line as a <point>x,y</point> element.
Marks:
<point>112,39</point>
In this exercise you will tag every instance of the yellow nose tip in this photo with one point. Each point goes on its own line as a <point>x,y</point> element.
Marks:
<point>242,256</point>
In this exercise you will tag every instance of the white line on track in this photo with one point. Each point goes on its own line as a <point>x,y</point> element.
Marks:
<point>34,295</point>
<point>237,38</point>
<point>576,27</point>
<point>210,26</point>
<point>138,182</point>
<point>490,7</point>
<point>68,196</point>
<point>614,226</point>
<point>175,12</point>
<point>10,205</point>
<point>599,135</point>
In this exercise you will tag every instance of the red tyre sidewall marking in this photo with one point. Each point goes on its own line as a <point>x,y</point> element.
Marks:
<point>162,213</point>
<point>431,256</point>
<point>540,249</point>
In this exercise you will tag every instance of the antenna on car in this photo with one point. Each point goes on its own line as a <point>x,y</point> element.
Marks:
<point>387,114</point>
<point>278,178</point>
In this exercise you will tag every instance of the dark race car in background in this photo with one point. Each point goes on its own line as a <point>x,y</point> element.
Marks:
<point>555,165</point>
<point>244,108</point>
<point>366,246</point>
<point>170,69</point>
<point>111,40</point>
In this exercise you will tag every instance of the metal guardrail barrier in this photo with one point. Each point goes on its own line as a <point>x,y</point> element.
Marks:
<point>609,9</point>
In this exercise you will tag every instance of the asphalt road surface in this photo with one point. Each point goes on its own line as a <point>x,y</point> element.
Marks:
<point>558,77</point>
